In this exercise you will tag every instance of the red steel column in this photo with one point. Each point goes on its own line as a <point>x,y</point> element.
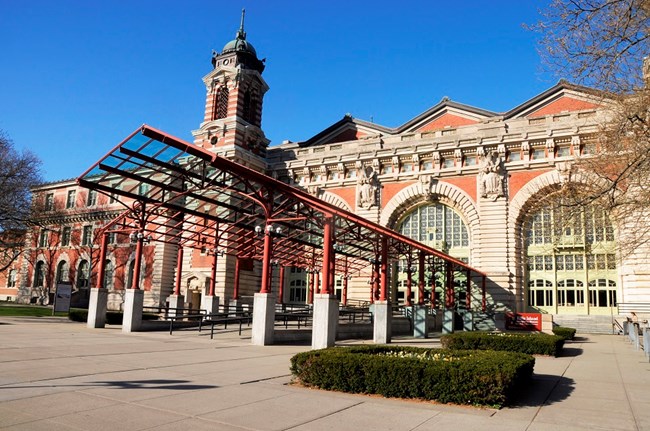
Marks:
<point>235,293</point>
<point>310,299</point>
<point>102,261</point>
<point>136,265</point>
<point>468,298</point>
<point>344,296</point>
<point>327,255</point>
<point>266,262</point>
<point>213,272</point>
<point>317,281</point>
<point>421,278</point>
<point>483,301</point>
<point>383,296</point>
<point>375,281</point>
<point>179,271</point>
<point>280,299</point>
<point>449,295</point>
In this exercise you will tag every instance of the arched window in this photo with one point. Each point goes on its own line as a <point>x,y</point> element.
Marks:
<point>442,228</point>
<point>11,279</point>
<point>39,274</point>
<point>220,103</point>
<point>83,274</point>
<point>568,246</point>
<point>438,226</point>
<point>62,272</point>
<point>109,271</point>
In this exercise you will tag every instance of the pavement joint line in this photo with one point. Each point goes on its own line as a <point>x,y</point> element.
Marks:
<point>324,416</point>
<point>265,379</point>
<point>627,397</point>
<point>425,421</point>
<point>557,382</point>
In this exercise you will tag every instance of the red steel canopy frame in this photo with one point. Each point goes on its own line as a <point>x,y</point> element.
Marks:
<point>179,193</point>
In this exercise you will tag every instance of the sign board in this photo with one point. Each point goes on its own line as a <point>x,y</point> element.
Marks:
<point>62,297</point>
<point>524,321</point>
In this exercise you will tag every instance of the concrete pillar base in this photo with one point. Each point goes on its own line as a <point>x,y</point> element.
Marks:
<point>176,301</point>
<point>500,321</point>
<point>468,321</point>
<point>97,308</point>
<point>448,322</point>
<point>420,321</point>
<point>382,318</point>
<point>133,302</point>
<point>547,323</point>
<point>325,323</point>
<point>263,319</point>
<point>210,304</point>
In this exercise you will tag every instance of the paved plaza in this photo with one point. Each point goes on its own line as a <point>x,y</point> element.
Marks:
<point>60,375</point>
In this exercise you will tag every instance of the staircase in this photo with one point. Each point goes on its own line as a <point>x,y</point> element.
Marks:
<point>587,324</point>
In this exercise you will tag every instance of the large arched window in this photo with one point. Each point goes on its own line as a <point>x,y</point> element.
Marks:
<point>220,103</point>
<point>442,228</point>
<point>62,272</point>
<point>438,226</point>
<point>573,250</point>
<point>83,274</point>
<point>39,274</point>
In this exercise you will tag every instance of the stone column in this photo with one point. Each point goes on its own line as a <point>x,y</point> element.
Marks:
<point>97,308</point>
<point>382,319</point>
<point>133,302</point>
<point>420,321</point>
<point>263,319</point>
<point>325,322</point>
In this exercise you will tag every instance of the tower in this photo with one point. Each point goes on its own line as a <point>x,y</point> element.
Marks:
<point>235,91</point>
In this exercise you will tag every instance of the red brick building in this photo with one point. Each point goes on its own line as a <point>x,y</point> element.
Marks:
<point>458,178</point>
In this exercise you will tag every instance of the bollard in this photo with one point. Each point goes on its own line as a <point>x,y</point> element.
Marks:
<point>646,342</point>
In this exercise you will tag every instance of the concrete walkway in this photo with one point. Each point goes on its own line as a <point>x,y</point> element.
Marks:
<point>59,375</point>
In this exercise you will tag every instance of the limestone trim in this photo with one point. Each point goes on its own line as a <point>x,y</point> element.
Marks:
<point>423,191</point>
<point>334,199</point>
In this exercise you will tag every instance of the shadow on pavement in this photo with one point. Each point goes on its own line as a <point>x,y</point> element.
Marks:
<point>154,384</point>
<point>545,389</point>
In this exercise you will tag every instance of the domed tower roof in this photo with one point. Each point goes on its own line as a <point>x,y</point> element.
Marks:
<point>240,43</point>
<point>245,51</point>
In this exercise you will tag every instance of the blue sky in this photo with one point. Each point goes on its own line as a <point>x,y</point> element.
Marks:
<point>79,76</point>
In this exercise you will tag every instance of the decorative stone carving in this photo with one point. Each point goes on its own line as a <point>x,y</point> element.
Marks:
<point>491,176</point>
<point>564,169</point>
<point>367,186</point>
<point>575,144</point>
<point>428,182</point>
<point>314,190</point>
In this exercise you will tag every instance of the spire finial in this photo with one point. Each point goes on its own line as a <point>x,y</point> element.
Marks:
<point>241,34</point>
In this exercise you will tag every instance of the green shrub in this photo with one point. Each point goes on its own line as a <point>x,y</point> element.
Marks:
<point>461,377</point>
<point>78,315</point>
<point>564,332</point>
<point>532,344</point>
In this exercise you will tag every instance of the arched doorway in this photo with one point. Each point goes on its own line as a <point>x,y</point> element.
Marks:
<point>571,265</point>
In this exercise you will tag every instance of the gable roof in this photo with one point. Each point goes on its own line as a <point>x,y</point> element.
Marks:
<point>562,97</point>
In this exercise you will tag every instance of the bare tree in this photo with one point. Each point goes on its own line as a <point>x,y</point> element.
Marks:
<point>603,44</point>
<point>18,172</point>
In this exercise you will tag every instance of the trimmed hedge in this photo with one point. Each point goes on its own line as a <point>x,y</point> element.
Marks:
<point>532,344</point>
<point>564,332</point>
<point>112,317</point>
<point>461,377</point>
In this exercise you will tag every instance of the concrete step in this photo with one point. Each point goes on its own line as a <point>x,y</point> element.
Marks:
<point>587,324</point>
